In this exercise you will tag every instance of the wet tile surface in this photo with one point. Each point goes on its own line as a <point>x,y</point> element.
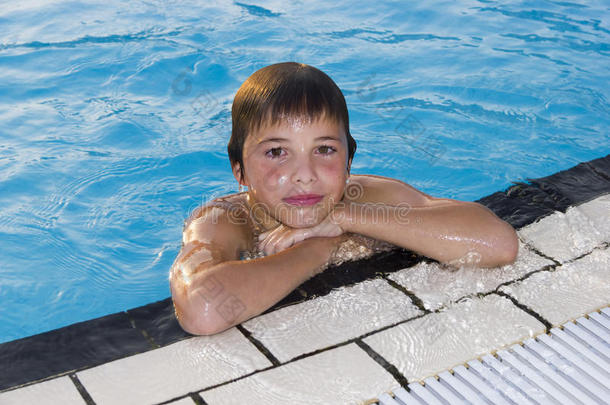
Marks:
<point>569,291</point>
<point>438,341</point>
<point>343,314</point>
<point>579,234</point>
<point>159,322</point>
<point>344,375</point>
<point>437,285</point>
<point>174,370</point>
<point>79,345</point>
<point>598,212</point>
<point>574,186</point>
<point>58,391</point>
<point>520,204</point>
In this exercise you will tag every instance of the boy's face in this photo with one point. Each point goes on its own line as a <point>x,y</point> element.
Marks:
<point>296,171</point>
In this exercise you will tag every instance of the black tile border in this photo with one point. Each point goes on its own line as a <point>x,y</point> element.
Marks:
<point>98,341</point>
<point>69,348</point>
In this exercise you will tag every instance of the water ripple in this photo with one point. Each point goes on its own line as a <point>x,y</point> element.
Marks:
<point>257,11</point>
<point>155,33</point>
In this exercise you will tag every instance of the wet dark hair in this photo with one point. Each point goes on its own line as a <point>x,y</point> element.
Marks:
<point>284,90</point>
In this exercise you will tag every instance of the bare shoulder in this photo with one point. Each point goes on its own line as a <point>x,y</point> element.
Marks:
<point>223,222</point>
<point>378,189</point>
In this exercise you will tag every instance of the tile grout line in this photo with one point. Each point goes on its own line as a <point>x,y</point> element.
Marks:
<point>81,389</point>
<point>197,399</point>
<point>259,345</point>
<point>309,354</point>
<point>535,249</point>
<point>548,267</point>
<point>387,366</point>
<point>547,325</point>
<point>143,332</point>
<point>194,396</point>
<point>603,245</point>
<point>414,298</point>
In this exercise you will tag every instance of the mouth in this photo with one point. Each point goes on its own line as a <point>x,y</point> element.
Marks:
<point>303,200</point>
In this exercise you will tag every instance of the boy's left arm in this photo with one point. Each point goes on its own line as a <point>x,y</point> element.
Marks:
<point>449,231</point>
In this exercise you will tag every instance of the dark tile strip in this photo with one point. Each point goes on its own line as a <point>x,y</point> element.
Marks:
<point>158,321</point>
<point>81,390</point>
<point>98,341</point>
<point>601,166</point>
<point>70,348</point>
<point>389,367</point>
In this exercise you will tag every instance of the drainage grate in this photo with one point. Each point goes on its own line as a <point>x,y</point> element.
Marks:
<point>570,365</point>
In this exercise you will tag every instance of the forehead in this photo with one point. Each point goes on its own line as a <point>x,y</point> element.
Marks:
<point>292,126</point>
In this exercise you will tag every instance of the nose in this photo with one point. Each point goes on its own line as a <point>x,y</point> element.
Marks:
<point>304,172</point>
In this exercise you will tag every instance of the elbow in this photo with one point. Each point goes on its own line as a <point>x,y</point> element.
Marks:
<point>197,316</point>
<point>199,323</point>
<point>201,328</point>
<point>508,247</point>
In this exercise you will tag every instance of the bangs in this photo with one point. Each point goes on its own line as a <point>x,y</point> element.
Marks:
<point>269,99</point>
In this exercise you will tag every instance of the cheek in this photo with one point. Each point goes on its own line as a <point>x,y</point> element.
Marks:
<point>336,169</point>
<point>270,178</point>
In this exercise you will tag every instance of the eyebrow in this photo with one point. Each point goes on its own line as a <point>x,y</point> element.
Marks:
<point>319,138</point>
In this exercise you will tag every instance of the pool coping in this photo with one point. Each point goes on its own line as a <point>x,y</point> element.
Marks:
<point>83,345</point>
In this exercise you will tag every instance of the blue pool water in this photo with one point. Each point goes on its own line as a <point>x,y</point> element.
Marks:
<point>114,120</point>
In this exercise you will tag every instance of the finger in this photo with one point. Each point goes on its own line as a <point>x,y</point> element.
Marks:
<point>263,235</point>
<point>268,237</point>
<point>286,239</point>
<point>269,244</point>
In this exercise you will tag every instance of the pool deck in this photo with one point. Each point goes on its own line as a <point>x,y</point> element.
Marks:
<point>350,333</point>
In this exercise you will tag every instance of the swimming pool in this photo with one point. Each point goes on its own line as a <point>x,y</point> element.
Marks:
<point>115,119</point>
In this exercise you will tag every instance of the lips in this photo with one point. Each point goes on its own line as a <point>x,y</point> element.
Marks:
<point>303,200</point>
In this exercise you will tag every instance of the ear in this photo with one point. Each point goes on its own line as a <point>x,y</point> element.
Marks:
<point>236,167</point>
<point>349,165</point>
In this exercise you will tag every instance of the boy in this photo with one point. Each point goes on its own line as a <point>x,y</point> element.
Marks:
<point>291,146</point>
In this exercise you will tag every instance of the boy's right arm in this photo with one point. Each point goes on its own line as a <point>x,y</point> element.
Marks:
<point>213,290</point>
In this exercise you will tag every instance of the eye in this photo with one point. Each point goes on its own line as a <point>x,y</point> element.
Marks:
<point>326,149</point>
<point>274,153</point>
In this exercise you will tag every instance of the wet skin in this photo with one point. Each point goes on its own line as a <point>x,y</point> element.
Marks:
<point>297,211</point>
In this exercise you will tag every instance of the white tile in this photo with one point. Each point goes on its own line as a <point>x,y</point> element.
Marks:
<point>342,314</point>
<point>436,342</point>
<point>343,375</point>
<point>572,290</point>
<point>566,236</point>
<point>598,211</point>
<point>173,370</point>
<point>58,391</point>
<point>438,285</point>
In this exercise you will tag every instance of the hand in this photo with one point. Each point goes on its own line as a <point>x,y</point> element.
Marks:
<point>283,237</point>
